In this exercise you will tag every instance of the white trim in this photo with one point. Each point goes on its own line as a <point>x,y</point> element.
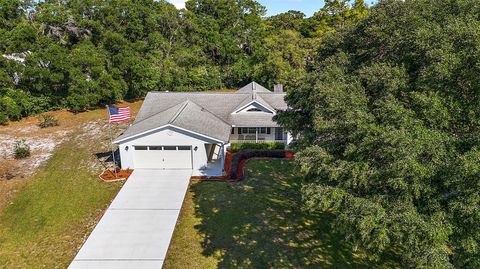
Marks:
<point>166,126</point>
<point>249,104</point>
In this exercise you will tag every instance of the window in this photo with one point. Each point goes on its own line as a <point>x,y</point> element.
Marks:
<point>253,130</point>
<point>248,130</point>
<point>264,130</point>
<point>140,147</point>
<point>279,134</point>
<point>155,148</point>
<point>254,110</point>
<point>169,148</point>
<point>184,148</point>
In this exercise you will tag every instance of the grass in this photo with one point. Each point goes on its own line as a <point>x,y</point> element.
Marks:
<point>257,223</point>
<point>46,218</point>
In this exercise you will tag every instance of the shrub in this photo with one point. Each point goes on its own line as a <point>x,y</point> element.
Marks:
<point>21,149</point>
<point>247,154</point>
<point>3,119</point>
<point>46,120</point>
<point>235,147</point>
<point>10,108</point>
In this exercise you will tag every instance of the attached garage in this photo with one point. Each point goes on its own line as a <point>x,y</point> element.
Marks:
<point>163,157</point>
<point>185,136</point>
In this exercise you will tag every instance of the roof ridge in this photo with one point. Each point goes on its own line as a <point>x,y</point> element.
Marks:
<point>210,113</point>
<point>179,111</point>
<point>154,114</point>
<point>242,104</point>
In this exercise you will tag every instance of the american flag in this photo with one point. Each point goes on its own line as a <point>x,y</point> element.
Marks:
<point>118,114</point>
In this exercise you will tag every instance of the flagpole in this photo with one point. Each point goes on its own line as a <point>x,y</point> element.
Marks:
<point>111,143</point>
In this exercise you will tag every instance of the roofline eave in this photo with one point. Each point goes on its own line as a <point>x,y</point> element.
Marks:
<point>119,141</point>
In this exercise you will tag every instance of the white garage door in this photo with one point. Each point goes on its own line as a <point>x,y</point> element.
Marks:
<point>163,157</point>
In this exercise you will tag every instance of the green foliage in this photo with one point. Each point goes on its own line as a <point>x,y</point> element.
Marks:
<point>235,147</point>
<point>21,150</point>
<point>3,119</point>
<point>47,120</point>
<point>82,54</point>
<point>388,124</point>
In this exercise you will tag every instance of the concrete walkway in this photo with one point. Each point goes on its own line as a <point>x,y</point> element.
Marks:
<point>136,230</point>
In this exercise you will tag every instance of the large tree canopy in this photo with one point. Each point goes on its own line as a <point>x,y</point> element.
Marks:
<point>388,125</point>
<point>80,54</point>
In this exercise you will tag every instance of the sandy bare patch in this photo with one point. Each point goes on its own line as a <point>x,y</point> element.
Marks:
<point>89,129</point>
<point>41,147</point>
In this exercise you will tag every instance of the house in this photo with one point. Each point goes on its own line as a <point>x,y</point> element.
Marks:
<point>191,130</point>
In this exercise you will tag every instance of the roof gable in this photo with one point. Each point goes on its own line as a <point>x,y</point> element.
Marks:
<point>252,86</point>
<point>255,104</point>
<point>208,113</point>
<point>186,115</point>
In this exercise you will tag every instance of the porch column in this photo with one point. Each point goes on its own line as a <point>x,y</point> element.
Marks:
<point>222,157</point>
<point>289,138</point>
<point>256,135</point>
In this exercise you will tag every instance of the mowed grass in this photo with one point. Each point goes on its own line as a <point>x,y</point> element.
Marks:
<point>49,218</point>
<point>258,223</point>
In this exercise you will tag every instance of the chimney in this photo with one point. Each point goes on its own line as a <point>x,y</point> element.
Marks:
<point>278,88</point>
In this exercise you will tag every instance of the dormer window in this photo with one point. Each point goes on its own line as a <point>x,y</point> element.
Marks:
<point>254,110</point>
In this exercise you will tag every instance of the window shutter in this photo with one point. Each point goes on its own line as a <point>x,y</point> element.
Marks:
<point>233,130</point>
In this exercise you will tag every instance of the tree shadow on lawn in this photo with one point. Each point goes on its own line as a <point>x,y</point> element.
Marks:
<point>258,223</point>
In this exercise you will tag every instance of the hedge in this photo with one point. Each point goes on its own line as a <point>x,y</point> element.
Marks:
<point>236,147</point>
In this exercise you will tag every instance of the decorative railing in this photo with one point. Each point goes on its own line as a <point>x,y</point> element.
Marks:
<point>256,141</point>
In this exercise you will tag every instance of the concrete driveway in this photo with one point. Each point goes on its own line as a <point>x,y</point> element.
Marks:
<point>136,230</point>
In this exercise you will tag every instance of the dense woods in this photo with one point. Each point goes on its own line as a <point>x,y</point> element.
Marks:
<point>384,101</point>
<point>79,54</point>
<point>388,120</point>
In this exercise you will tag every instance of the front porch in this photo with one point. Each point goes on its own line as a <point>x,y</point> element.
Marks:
<point>258,135</point>
<point>215,161</point>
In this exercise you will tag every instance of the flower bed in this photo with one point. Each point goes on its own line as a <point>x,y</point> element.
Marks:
<point>235,162</point>
<point>239,159</point>
<point>110,176</point>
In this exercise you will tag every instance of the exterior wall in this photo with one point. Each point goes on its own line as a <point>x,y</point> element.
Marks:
<point>167,136</point>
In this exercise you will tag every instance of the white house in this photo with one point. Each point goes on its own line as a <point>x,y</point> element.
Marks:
<point>191,130</point>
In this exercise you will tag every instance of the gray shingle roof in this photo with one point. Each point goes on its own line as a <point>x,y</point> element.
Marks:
<point>252,86</point>
<point>206,113</point>
<point>252,120</point>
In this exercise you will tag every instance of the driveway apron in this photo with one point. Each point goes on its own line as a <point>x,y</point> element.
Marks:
<point>136,229</point>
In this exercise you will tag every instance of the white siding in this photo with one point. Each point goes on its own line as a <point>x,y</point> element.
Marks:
<point>167,136</point>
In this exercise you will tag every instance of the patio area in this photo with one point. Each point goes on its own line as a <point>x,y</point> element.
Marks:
<point>214,168</point>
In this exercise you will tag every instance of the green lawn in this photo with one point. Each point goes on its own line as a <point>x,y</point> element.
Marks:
<point>51,215</point>
<point>257,223</point>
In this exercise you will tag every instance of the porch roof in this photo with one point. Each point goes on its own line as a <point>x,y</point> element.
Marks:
<point>252,120</point>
